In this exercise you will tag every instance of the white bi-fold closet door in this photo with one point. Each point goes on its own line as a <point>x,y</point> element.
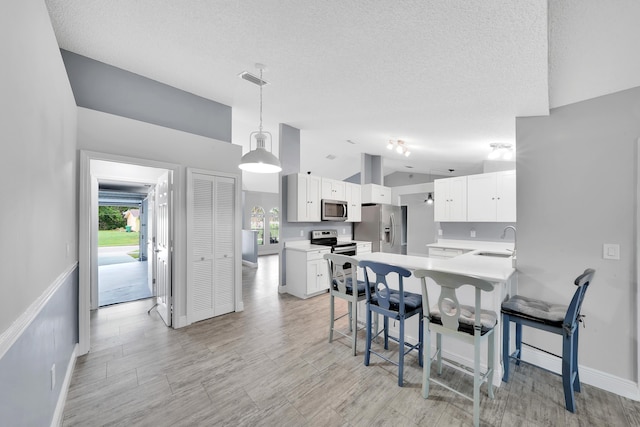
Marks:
<point>211,246</point>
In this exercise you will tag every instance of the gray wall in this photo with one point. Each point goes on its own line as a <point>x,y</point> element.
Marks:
<point>38,169</point>
<point>105,88</point>
<point>26,398</point>
<point>576,188</point>
<point>421,229</point>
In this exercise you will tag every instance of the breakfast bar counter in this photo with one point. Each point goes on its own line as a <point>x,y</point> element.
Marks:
<point>497,270</point>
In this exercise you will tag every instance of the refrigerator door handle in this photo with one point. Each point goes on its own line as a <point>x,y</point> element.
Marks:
<point>393,230</point>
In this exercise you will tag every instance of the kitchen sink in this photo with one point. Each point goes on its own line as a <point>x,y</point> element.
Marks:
<point>494,254</point>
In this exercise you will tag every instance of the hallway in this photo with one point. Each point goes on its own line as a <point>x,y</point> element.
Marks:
<point>271,365</point>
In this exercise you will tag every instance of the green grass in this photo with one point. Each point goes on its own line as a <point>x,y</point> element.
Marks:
<point>117,238</point>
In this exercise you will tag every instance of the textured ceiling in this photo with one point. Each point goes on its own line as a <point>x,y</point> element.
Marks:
<point>448,77</point>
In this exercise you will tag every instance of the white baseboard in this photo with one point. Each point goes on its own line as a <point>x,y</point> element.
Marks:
<point>17,328</point>
<point>282,289</point>
<point>56,421</point>
<point>240,306</point>
<point>249,263</point>
<point>593,377</point>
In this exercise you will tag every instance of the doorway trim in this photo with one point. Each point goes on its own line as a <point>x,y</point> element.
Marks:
<point>88,245</point>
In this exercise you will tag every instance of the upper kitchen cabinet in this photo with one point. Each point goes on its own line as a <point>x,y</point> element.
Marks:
<point>333,189</point>
<point>450,199</point>
<point>354,201</point>
<point>303,198</point>
<point>374,193</point>
<point>491,197</point>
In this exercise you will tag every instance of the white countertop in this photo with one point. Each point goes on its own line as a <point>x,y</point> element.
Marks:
<point>304,246</point>
<point>497,270</point>
<point>473,245</point>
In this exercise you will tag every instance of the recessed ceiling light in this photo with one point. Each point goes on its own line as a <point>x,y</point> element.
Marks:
<point>331,157</point>
<point>351,142</point>
<point>409,167</point>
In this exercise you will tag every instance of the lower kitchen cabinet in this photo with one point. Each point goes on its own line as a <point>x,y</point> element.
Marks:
<point>307,272</point>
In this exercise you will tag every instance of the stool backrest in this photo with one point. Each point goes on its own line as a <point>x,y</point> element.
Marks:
<point>379,284</point>
<point>341,268</point>
<point>573,312</point>
<point>449,283</point>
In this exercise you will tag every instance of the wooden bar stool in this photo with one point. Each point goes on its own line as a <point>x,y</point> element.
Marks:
<point>558,319</point>
<point>394,304</point>
<point>468,323</point>
<point>344,274</point>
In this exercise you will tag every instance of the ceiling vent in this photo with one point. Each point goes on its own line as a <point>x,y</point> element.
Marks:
<point>252,78</point>
<point>331,157</point>
<point>351,142</point>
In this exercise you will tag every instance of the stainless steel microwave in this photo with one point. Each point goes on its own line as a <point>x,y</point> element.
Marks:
<point>333,210</point>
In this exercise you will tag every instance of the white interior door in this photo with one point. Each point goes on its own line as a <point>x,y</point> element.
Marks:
<point>151,233</point>
<point>163,246</point>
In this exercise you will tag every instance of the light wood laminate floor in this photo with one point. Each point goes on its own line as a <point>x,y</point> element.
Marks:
<point>272,365</point>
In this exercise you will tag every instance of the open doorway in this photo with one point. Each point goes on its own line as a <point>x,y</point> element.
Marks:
<point>123,236</point>
<point>156,244</point>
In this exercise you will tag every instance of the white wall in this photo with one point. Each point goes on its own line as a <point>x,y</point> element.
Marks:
<point>577,190</point>
<point>106,133</point>
<point>38,219</point>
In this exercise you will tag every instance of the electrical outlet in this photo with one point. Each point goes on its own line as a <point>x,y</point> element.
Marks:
<point>53,376</point>
<point>344,231</point>
<point>301,233</point>
<point>439,231</point>
<point>473,233</point>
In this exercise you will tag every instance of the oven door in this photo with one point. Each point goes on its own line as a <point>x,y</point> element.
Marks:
<point>334,210</point>
<point>347,251</point>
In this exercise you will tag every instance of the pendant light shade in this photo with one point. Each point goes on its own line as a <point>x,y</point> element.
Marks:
<point>260,160</point>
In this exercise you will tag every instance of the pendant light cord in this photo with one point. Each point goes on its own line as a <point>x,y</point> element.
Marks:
<point>261,84</point>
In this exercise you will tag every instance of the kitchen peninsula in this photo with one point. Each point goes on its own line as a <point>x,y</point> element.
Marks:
<point>492,266</point>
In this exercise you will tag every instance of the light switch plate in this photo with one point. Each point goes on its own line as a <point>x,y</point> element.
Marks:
<point>611,251</point>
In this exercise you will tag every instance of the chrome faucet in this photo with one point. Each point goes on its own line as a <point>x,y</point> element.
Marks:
<point>504,233</point>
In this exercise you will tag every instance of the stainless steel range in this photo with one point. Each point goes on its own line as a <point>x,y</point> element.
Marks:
<point>330,238</point>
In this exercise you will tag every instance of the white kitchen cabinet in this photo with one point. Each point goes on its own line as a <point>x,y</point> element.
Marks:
<point>450,202</point>
<point>374,193</point>
<point>354,201</point>
<point>491,197</point>
<point>363,248</point>
<point>333,189</point>
<point>307,272</point>
<point>303,198</point>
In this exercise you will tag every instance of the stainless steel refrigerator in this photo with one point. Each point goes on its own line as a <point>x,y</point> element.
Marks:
<point>383,226</point>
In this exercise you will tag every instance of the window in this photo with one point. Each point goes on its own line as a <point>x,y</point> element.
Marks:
<point>274,226</point>
<point>257,222</point>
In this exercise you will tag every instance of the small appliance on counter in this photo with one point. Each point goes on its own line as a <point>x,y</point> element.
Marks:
<point>381,225</point>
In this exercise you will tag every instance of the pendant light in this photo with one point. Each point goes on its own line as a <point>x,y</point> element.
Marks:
<point>259,160</point>
<point>429,199</point>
